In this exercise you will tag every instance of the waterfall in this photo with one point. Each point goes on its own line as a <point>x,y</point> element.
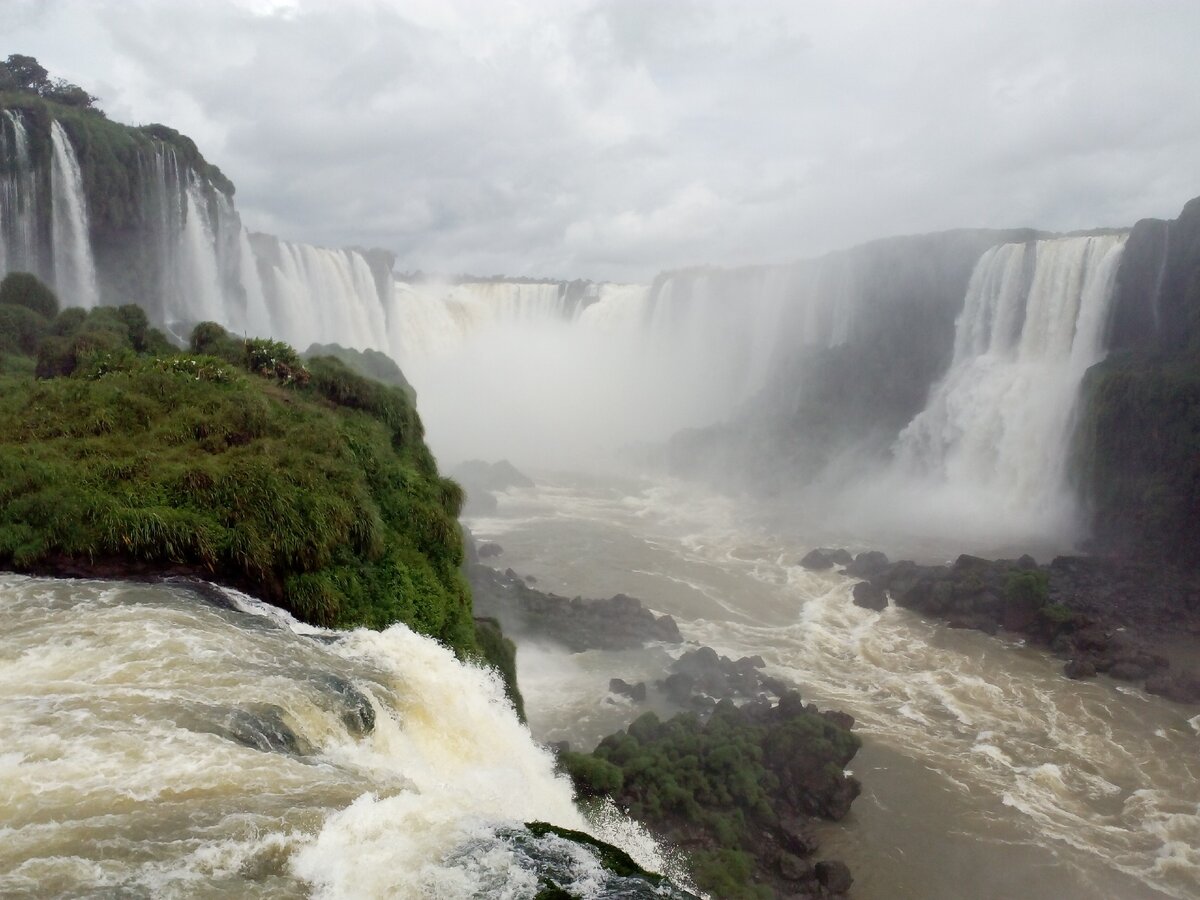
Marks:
<point>18,199</point>
<point>74,268</point>
<point>995,430</point>
<point>319,295</point>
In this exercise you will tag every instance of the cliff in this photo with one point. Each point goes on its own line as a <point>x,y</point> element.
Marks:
<point>305,484</point>
<point>1136,453</point>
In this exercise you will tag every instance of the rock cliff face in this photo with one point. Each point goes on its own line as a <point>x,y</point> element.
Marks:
<point>1157,302</point>
<point>1135,451</point>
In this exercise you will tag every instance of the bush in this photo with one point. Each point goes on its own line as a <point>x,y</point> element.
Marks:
<point>593,777</point>
<point>1030,589</point>
<point>24,289</point>
<point>21,329</point>
<point>275,359</point>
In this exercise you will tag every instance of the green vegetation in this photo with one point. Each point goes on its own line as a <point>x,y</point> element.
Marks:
<point>368,363</point>
<point>722,788</point>
<point>310,486</point>
<point>1030,588</point>
<point>501,654</point>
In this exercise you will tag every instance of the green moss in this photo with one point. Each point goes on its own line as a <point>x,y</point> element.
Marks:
<point>325,502</point>
<point>614,859</point>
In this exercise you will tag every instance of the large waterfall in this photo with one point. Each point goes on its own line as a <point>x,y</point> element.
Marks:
<point>987,458</point>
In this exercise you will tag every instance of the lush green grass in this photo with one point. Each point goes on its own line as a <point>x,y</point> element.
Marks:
<point>311,487</point>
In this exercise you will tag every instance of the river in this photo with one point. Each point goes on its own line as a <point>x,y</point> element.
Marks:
<point>986,772</point>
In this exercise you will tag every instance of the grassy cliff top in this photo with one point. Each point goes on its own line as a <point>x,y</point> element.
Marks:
<point>303,483</point>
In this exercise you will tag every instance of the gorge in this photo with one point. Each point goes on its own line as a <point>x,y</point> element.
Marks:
<point>689,440</point>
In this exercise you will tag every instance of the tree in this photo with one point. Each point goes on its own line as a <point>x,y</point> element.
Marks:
<point>68,94</point>
<point>27,73</point>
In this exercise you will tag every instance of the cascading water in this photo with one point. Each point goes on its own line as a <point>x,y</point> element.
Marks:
<point>74,267</point>
<point>992,443</point>
<point>155,744</point>
<point>18,199</point>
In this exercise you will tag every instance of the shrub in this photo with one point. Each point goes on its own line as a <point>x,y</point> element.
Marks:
<point>1028,589</point>
<point>21,329</point>
<point>24,289</point>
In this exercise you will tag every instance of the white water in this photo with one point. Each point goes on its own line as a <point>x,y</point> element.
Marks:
<point>986,772</point>
<point>18,195</point>
<point>987,457</point>
<point>317,295</point>
<point>74,268</point>
<point>121,773</point>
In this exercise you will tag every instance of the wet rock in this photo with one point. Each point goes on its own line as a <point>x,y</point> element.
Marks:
<point>870,596</point>
<point>793,868</point>
<point>797,837</point>
<point>1079,668</point>
<point>867,564</point>
<point>489,549</point>
<point>263,729</point>
<point>1182,687</point>
<point>817,561</point>
<point>839,557</point>
<point>353,706</point>
<point>635,692</point>
<point>834,876</point>
<point>617,623</point>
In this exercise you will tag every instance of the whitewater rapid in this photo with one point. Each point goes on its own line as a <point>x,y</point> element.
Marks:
<point>986,772</point>
<point>154,743</point>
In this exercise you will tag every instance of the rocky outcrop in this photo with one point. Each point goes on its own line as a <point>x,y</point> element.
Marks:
<point>737,792</point>
<point>1105,616</point>
<point>616,623</point>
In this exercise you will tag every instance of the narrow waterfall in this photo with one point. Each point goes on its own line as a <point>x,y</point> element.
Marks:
<point>18,199</point>
<point>995,430</point>
<point>74,267</point>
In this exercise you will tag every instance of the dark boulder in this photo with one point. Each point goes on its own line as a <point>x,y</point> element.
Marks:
<point>1079,668</point>
<point>867,564</point>
<point>834,876</point>
<point>488,549</point>
<point>635,692</point>
<point>870,596</point>
<point>1182,687</point>
<point>817,561</point>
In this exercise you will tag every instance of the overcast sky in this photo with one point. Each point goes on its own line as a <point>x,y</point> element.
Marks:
<point>616,139</point>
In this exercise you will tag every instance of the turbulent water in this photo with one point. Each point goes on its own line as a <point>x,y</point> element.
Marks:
<point>156,744</point>
<point>986,772</point>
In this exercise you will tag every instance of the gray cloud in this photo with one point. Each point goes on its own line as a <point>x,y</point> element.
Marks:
<point>614,139</point>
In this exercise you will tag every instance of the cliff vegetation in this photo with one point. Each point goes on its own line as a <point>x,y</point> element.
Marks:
<point>304,483</point>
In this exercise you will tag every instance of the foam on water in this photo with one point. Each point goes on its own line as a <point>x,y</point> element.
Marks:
<point>137,721</point>
<point>1101,777</point>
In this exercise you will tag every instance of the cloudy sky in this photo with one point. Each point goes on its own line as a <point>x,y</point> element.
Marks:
<point>616,139</point>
